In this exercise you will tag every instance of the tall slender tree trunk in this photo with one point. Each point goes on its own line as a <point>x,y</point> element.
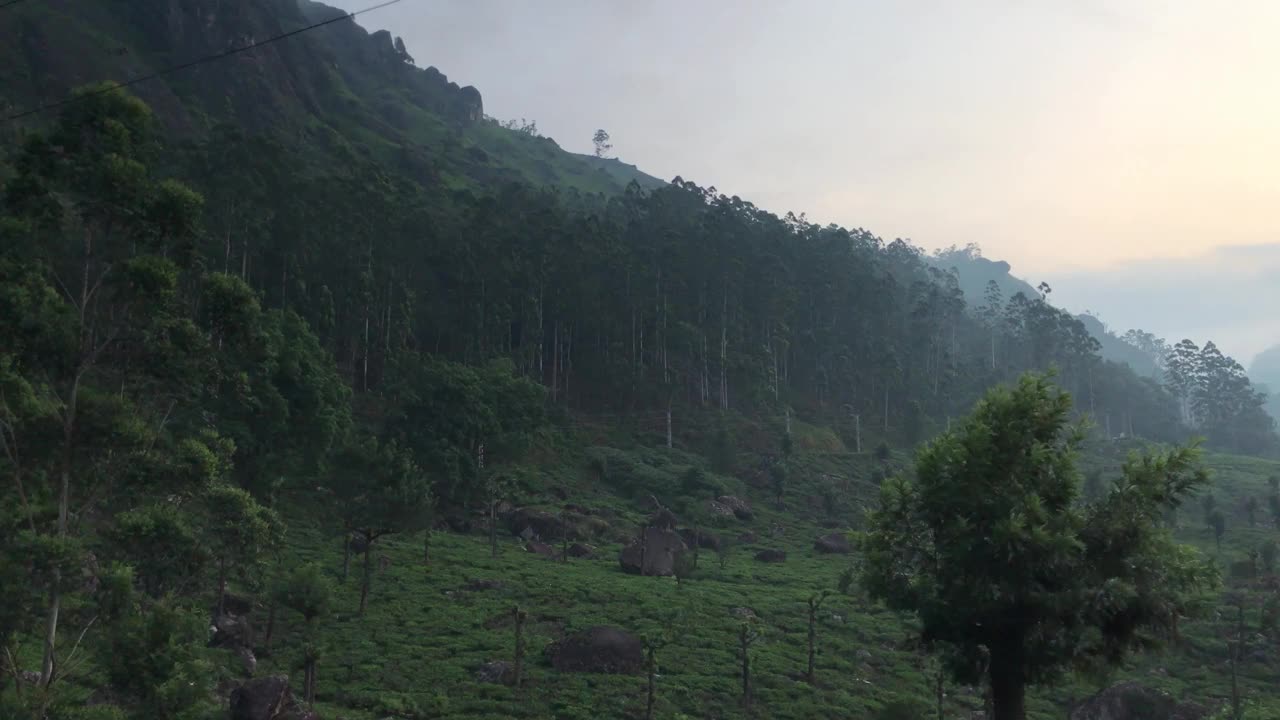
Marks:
<point>651,666</point>
<point>271,627</point>
<point>222,585</point>
<point>368,576</point>
<point>813,618</point>
<point>346,555</point>
<point>745,642</point>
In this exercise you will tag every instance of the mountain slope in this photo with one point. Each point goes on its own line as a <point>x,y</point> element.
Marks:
<point>337,85</point>
<point>976,272</point>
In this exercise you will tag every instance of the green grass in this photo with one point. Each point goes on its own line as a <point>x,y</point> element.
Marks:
<point>415,652</point>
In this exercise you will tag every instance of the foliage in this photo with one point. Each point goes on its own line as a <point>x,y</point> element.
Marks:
<point>989,548</point>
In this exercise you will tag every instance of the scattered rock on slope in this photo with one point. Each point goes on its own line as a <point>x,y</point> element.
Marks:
<point>543,524</point>
<point>599,649</point>
<point>741,508</point>
<point>658,553</point>
<point>834,543</point>
<point>267,698</point>
<point>1132,701</point>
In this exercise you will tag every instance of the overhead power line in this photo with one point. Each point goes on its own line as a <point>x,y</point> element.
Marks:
<point>199,61</point>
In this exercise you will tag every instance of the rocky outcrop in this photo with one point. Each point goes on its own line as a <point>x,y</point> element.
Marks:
<point>700,538</point>
<point>540,524</point>
<point>741,508</point>
<point>232,629</point>
<point>663,519</point>
<point>718,509</point>
<point>655,554</point>
<point>268,698</point>
<point>1132,701</point>
<point>582,551</point>
<point>834,543</point>
<point>540,548</point>
<point>599,649</point>
<point>499,672</point>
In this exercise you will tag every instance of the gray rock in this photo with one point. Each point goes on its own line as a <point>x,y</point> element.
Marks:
<point>658,552</point>
<point>478,585</point>
<point>1132,701</point>
<point>599,649</point>
<point>264,698</point>
<point>581,550</point>
<point>540,548</point>
<point>719,509</point>
<point>543,524</point>
<point>833,543</point>
<point>701,538</point>
<point>741,508</point>
<point>771,556</point>
<point>498,672</point>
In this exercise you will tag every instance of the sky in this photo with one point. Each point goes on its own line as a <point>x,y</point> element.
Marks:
<point>1127,152</point>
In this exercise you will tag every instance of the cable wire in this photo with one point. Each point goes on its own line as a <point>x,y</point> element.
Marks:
<point>193,63</point>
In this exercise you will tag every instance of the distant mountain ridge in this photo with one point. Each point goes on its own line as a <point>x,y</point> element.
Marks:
<point>1265,372</point>
<point>974,272</point>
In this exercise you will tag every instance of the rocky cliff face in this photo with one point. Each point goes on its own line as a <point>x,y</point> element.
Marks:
<point>331,73</point>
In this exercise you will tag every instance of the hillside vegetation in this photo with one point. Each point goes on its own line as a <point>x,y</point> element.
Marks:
<point>310,368</point>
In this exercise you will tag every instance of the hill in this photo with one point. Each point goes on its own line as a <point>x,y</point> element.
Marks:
<point>976,274</point>
<point>311,369</point>
<point>1265,371</point>
<point>337,86</point>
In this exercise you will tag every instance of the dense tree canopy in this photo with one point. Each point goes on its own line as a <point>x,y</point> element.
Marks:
<point>1008,571</point>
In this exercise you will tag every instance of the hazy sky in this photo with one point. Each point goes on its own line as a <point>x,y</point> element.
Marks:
<point>1104,146</point>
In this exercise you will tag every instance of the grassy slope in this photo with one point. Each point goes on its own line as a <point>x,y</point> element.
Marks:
<point>415,652</point>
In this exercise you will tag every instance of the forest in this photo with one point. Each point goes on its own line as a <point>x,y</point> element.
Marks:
<point>235,362</point>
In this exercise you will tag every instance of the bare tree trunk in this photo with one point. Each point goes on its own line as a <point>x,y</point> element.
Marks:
<point>222,585</point>
<point>346,555</point>
<point>813,618</point>
<point>745,643</point>
<point>519,616</point>
<point>651,667</point>
<point>939,691</point>
<point>493,527</point>
<point>368,576</point>
<point>271,627</point>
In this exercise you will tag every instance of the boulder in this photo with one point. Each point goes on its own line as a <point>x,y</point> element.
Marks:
<point>701,538</point>
<point>833,543</point>
<point>264,698</point>
<point>540,548</point>
<point>663,519</point>
<point>500,672</point>
<point>248,661</point>
<point>771,556</point>
<point>719,509</point>
<point>659,550</point>
<point>479,585</point>
<point>581,550</point>
<point>599,649</point>
<point>1133,701</point>
<point>358,543</point>
<point>231,631</point>
<point>543,524</point>
<point>741,508</point>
